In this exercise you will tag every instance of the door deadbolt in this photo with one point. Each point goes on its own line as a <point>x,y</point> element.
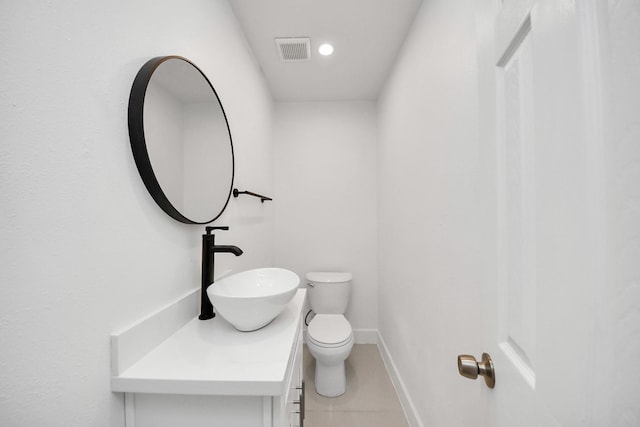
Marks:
<point>470,368</point>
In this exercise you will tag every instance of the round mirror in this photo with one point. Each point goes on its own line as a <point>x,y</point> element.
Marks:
<point>181,140</point>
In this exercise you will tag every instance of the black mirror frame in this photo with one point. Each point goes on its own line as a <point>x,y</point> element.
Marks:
<point>139,145</point>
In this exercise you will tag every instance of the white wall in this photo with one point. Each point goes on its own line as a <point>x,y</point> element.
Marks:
<point>85,251</point>
<point>325,196</point>
<point>433,214</point>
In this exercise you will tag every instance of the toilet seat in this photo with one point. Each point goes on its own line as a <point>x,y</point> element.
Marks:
<point>330,330</point>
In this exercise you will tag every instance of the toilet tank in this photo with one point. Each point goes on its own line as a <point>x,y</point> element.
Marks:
<point>329,292</point>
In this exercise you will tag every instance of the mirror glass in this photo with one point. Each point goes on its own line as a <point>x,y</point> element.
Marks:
<point>181,140</point>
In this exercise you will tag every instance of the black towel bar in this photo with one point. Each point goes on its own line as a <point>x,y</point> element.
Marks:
<point>236,193</point>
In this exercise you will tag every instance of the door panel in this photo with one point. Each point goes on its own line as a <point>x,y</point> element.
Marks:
<point>517,202</point>
<point>514,347</point>
<point>538,320</point>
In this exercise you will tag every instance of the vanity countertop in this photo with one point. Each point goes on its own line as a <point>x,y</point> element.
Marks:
<point>210,357</point>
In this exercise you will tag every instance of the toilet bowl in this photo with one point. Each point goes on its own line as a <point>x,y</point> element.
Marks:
<point>329,335</point>
<point>330,340</point>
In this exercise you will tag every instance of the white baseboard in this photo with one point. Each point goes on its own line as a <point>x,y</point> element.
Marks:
<point>401,390</point>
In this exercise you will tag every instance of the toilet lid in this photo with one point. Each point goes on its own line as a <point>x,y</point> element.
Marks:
<point>329,329</point>
<point>328,277</point>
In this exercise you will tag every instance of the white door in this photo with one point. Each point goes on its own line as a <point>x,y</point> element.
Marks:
<point>537,94</point>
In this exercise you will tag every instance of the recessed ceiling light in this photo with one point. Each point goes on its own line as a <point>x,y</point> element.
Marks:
<point>325,49</point>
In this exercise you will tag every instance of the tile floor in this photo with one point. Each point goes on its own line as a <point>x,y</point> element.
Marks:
<point>370,399</point>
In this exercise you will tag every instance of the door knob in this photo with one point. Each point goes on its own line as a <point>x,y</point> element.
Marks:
<point>470,368</point>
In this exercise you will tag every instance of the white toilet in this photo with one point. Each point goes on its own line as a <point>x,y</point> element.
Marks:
<point>329,335</point>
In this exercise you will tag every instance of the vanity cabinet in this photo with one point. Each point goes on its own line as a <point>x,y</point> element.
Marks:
<point>209,374</point>
<point>291,412</point>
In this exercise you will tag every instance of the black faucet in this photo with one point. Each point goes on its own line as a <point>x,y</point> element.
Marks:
<point>208,249</point>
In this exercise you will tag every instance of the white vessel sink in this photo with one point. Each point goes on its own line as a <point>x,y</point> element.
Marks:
<point>251,299</point>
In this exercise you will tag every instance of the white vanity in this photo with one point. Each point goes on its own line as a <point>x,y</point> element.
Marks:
<point>176,370</point>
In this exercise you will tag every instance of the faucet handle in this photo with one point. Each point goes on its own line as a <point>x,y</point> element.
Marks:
<point>209,229</point>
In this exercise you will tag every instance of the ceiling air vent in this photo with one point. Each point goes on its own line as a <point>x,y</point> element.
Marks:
<point>294,48</point>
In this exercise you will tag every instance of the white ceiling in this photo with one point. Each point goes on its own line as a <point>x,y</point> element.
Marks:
<point>366,34</point>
